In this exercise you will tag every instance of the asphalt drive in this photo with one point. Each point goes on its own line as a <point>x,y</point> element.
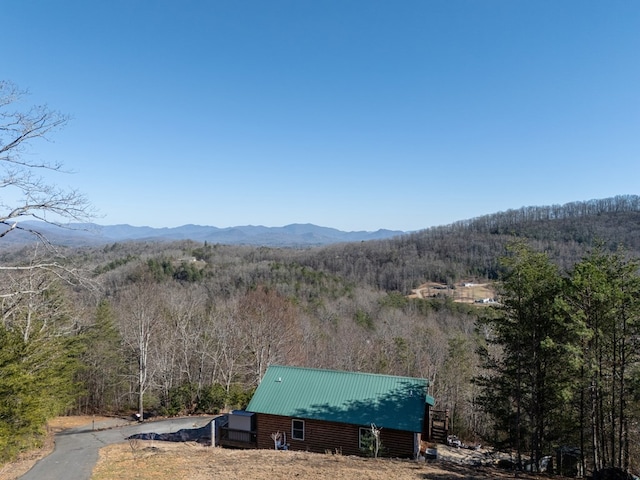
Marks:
<point>76,450</point>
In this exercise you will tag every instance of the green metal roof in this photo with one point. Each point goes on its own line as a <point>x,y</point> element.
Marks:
<point>347,397</point>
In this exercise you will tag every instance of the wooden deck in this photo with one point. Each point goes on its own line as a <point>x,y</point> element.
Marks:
<point>230,437</point>
<point>439,426</point>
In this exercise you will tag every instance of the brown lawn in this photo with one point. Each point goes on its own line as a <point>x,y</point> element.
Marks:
<point>153,460</point>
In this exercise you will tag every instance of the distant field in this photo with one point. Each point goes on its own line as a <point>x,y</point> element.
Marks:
<point>466,292</point>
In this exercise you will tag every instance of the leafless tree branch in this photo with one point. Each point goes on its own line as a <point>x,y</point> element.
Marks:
<point>31,196</point>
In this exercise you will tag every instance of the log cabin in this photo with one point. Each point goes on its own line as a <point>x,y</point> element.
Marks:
<point>333,411</point>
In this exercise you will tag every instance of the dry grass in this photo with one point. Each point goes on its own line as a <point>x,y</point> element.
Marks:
<point>153,460</point>
<point>25,461</point>
<point>148,460</point>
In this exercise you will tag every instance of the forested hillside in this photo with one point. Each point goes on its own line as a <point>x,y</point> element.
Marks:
<point>473,248</point>
<point>191,327</point>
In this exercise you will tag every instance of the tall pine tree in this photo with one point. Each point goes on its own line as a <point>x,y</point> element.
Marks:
<point>603,292</point>
<point>533,356</point>
<point>39,353</point>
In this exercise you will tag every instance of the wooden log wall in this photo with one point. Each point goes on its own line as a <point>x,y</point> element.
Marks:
<point>324,437</point>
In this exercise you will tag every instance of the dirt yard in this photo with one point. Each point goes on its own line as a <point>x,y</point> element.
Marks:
<point>149,460</point>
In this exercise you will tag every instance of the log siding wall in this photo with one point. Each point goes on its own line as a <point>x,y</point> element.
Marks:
<point>320,437</point>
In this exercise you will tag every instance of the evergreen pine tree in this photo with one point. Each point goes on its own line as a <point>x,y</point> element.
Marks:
<point>532,358</point>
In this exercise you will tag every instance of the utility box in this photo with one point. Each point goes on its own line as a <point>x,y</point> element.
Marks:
<point>242,420</point>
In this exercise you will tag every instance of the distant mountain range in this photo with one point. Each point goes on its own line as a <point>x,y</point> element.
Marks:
<point>294,235</point>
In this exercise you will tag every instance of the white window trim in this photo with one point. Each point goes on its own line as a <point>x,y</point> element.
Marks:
<point>293,435</point>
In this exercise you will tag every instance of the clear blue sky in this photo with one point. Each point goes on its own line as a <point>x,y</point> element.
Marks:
<point>353,114</point>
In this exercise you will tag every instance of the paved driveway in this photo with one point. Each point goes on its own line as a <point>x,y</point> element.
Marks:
<point>76,451</point>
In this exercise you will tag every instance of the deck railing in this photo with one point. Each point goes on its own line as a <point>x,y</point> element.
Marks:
<point>238,438</point>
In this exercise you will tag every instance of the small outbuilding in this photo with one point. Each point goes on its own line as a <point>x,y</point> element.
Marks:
<point>327,410</point>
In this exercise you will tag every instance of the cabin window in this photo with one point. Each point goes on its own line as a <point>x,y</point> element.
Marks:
<point>297,429</point>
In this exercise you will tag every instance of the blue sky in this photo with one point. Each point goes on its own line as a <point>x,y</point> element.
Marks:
<point>353,114</point>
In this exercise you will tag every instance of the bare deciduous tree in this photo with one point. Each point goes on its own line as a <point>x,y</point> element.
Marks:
<point>37,323</point>
<point>24,193</point>
<point>269,330</point>
<point>140,318</point>
<point>35,198</point>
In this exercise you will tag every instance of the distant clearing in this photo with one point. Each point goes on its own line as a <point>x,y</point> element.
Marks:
<point>465,292</point>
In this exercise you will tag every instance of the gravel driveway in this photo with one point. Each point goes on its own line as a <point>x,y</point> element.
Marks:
<point>76,450</point>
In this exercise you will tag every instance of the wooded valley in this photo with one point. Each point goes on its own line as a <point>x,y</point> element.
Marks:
<point>186,327</point>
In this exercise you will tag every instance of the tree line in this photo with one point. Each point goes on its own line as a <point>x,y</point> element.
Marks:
<point>562,362</point>
<point>472,248</point>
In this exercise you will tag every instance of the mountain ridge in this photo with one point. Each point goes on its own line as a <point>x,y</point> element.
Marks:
<point>292,235</point>
<point>523,222</point>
